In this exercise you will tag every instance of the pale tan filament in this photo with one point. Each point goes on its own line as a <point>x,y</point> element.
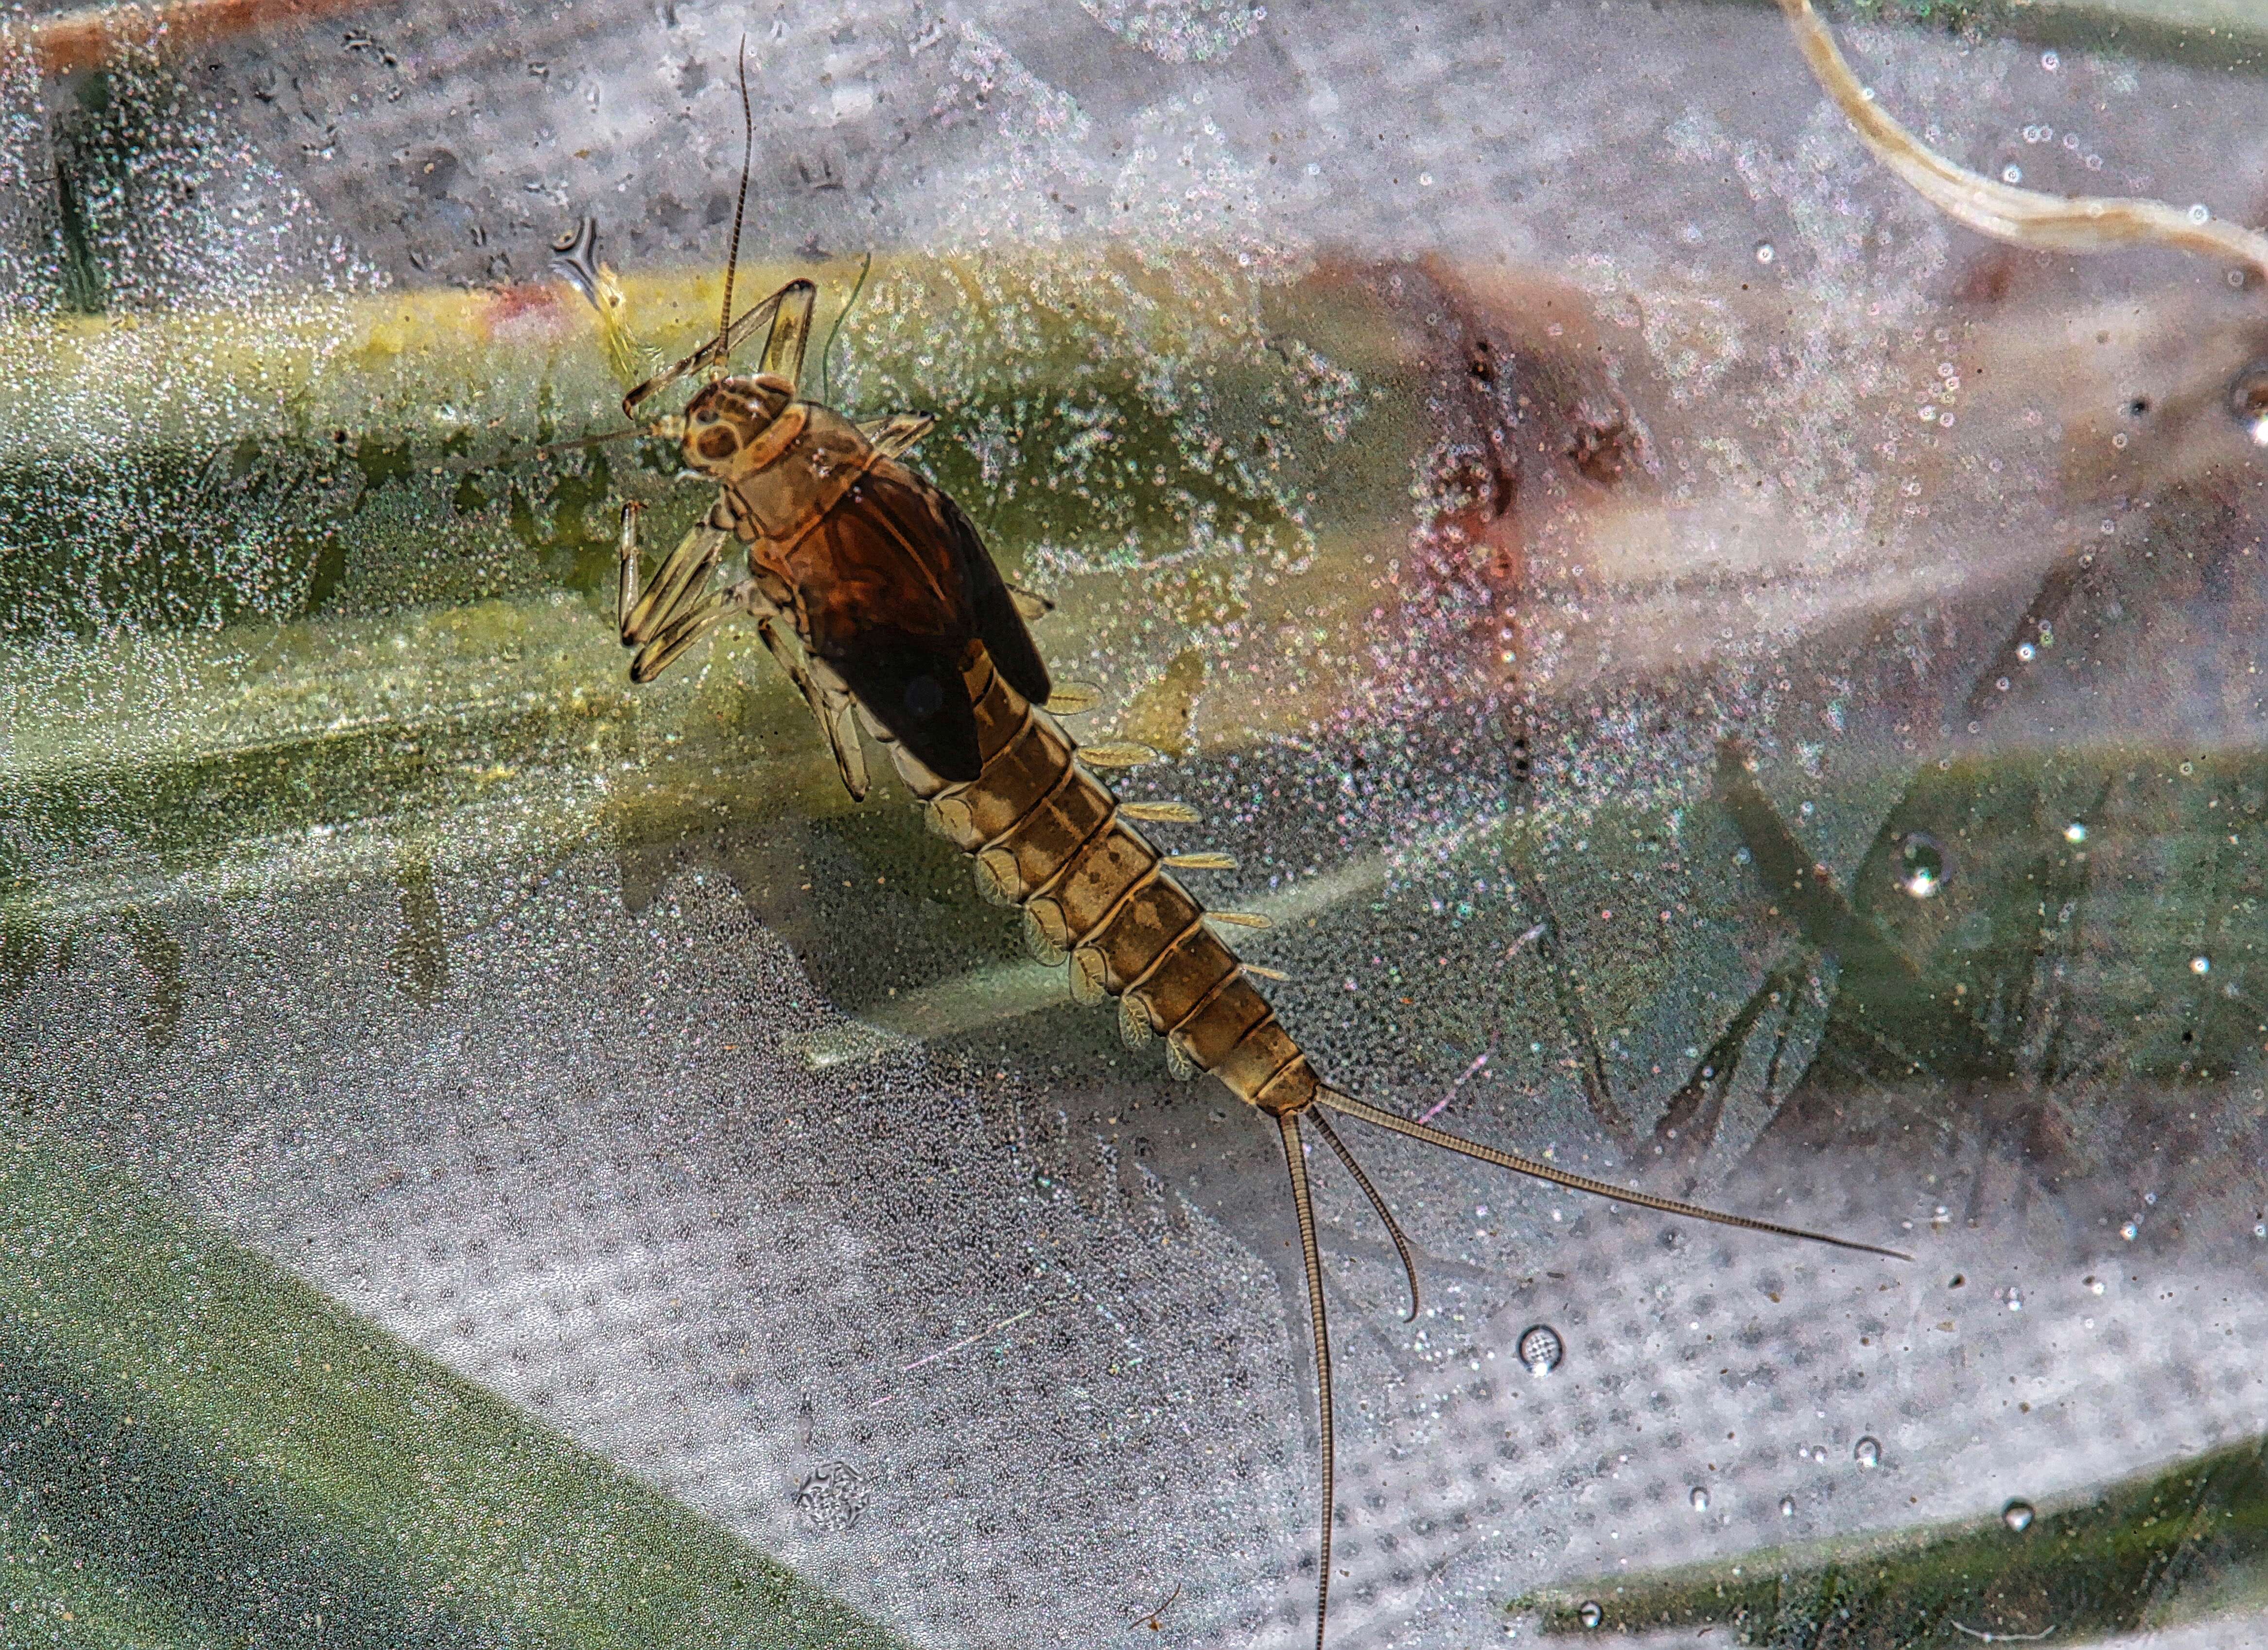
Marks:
<point>1392,1226</point>
<point>2022,217</point>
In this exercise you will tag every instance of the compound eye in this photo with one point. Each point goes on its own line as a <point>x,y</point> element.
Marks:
<point>2248,400</point>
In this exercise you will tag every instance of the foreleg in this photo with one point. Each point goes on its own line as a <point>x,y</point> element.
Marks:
<point>680,585</point>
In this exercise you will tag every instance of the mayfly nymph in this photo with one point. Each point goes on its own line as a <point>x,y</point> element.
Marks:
<point>879,599</point>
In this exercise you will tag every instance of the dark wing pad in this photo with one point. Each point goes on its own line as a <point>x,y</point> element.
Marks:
<point>885,601</point>
<point>998,625</point>
<point>893,584</point>
<point>912,686</point>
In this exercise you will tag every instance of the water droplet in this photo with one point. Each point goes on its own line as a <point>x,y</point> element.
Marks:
<point>2012,174</point>
<point>1921,864</point>
<point>1700,1498</point>
<point>1540,1349</point>
<point>832,1497</point>
<point>1787,1507</point>
<point>2074,832</point>
<point>1590,1614</point>
<point>1867,1453</point>
<point>2017,1515</point>
<point>1766,252</point>
<point>2200,965</point>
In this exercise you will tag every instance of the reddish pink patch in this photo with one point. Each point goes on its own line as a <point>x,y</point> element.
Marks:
<point>526,313</point>
<point>1460,585</point>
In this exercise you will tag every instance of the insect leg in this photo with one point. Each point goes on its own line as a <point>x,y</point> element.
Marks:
<point>719,350</point>
<point>790,333</point>
<point>1303,1204</point>
<point>690,624</point>
<point>626,593</point>
<point>832,713</point>
<point>676,588</point>
<point>894,436</point>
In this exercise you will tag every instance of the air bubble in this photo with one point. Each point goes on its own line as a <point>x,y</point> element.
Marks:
<point>2012,174</point>
<point>2013,1297</point>
<point>2074,832</point>
<point>2200,213</point>
<point>2017,1515</point>
<point>832,1497</point>
<point>1867,1453</point>
<point>2027,652</point>
<point>1540,1349</point>
<point>2093,1283</point>
<point>1765,253</point>
<point>2132,1230</point>
<point>1700,1498</point>
<point>2049,61</point>
<point>1590,1614</point>
<point>2200,965</point>
<point>1787,1507</point>
<point>1921,866</point>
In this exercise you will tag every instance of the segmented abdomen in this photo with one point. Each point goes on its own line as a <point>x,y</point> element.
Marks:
<point>1048,837</point>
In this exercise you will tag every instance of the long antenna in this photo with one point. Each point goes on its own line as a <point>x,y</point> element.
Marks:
<point>589,441</point>
<point>740,211</point>
<point>825,392</point>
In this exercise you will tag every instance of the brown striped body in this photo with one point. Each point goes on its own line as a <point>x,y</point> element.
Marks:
<point>867,560</point>
<point>896,609</point>
<point>1047,836</point>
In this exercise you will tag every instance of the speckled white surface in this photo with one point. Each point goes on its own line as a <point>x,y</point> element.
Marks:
<point>1062,1380</point>
<point>1002,1339</point>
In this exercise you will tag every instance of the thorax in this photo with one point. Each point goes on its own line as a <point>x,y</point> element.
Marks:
<point>779,488</point>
